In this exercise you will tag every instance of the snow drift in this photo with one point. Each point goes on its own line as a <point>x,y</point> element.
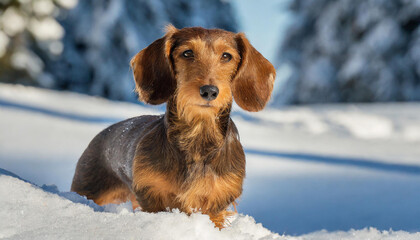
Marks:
<point>30,212</point>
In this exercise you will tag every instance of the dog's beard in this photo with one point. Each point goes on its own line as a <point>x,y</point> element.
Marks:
<point>193,111</point>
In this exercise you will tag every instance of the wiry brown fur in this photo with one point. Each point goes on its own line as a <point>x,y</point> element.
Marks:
<point>191,157</point>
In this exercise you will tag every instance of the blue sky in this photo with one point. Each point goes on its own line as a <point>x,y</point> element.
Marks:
<point>264,22</point>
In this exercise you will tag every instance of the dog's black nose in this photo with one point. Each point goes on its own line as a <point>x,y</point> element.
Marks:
<point>209,92</point>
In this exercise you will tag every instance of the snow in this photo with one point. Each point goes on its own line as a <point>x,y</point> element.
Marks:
<point>312,172</point>
<point>4,41</point>
<point>46,29</point>
<point>43,7</point>
<point>12,21</point>
<point>26,59</point>
<point>350,51</point>
<point>33,213</point>
<point>96,50</point>
<point>26,205</point>
<point>365,125</point>
<point>67,3</point>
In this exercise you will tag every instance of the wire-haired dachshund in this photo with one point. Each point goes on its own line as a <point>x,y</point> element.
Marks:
<point>190,158</point>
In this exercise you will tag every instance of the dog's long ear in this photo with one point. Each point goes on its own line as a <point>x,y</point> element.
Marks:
<point>152,68</point>
<point>254,79</point>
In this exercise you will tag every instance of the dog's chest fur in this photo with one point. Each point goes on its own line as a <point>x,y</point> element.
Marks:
<point>197,169</point>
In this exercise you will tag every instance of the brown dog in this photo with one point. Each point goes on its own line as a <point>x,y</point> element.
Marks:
<point>190,158</point>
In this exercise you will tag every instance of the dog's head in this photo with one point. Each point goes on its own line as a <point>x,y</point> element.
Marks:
<point>202,69</point>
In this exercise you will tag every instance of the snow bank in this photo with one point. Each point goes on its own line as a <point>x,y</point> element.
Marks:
<point>30,212</point>
<point>392,121</point>
<point>368,233</point>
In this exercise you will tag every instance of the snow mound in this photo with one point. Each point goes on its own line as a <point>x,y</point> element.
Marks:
<point>29,212</point>
<point>367,233</point>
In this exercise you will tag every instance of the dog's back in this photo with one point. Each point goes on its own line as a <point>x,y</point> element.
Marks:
<point>105,167</point>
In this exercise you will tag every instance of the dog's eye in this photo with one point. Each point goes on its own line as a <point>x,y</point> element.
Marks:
<point>226,57</point>
<point>188,54</point>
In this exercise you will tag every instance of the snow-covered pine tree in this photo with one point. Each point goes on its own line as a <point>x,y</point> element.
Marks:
<point>26,25</point>
<point>352,51</point>
<point>95,40</point>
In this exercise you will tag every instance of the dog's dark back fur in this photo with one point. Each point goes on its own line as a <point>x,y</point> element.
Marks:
<point>107,161</point>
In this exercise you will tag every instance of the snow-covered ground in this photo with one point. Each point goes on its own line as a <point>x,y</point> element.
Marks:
<point>332,167</point>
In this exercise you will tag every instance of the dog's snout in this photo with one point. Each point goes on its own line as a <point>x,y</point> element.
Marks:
<point>209,92</point>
